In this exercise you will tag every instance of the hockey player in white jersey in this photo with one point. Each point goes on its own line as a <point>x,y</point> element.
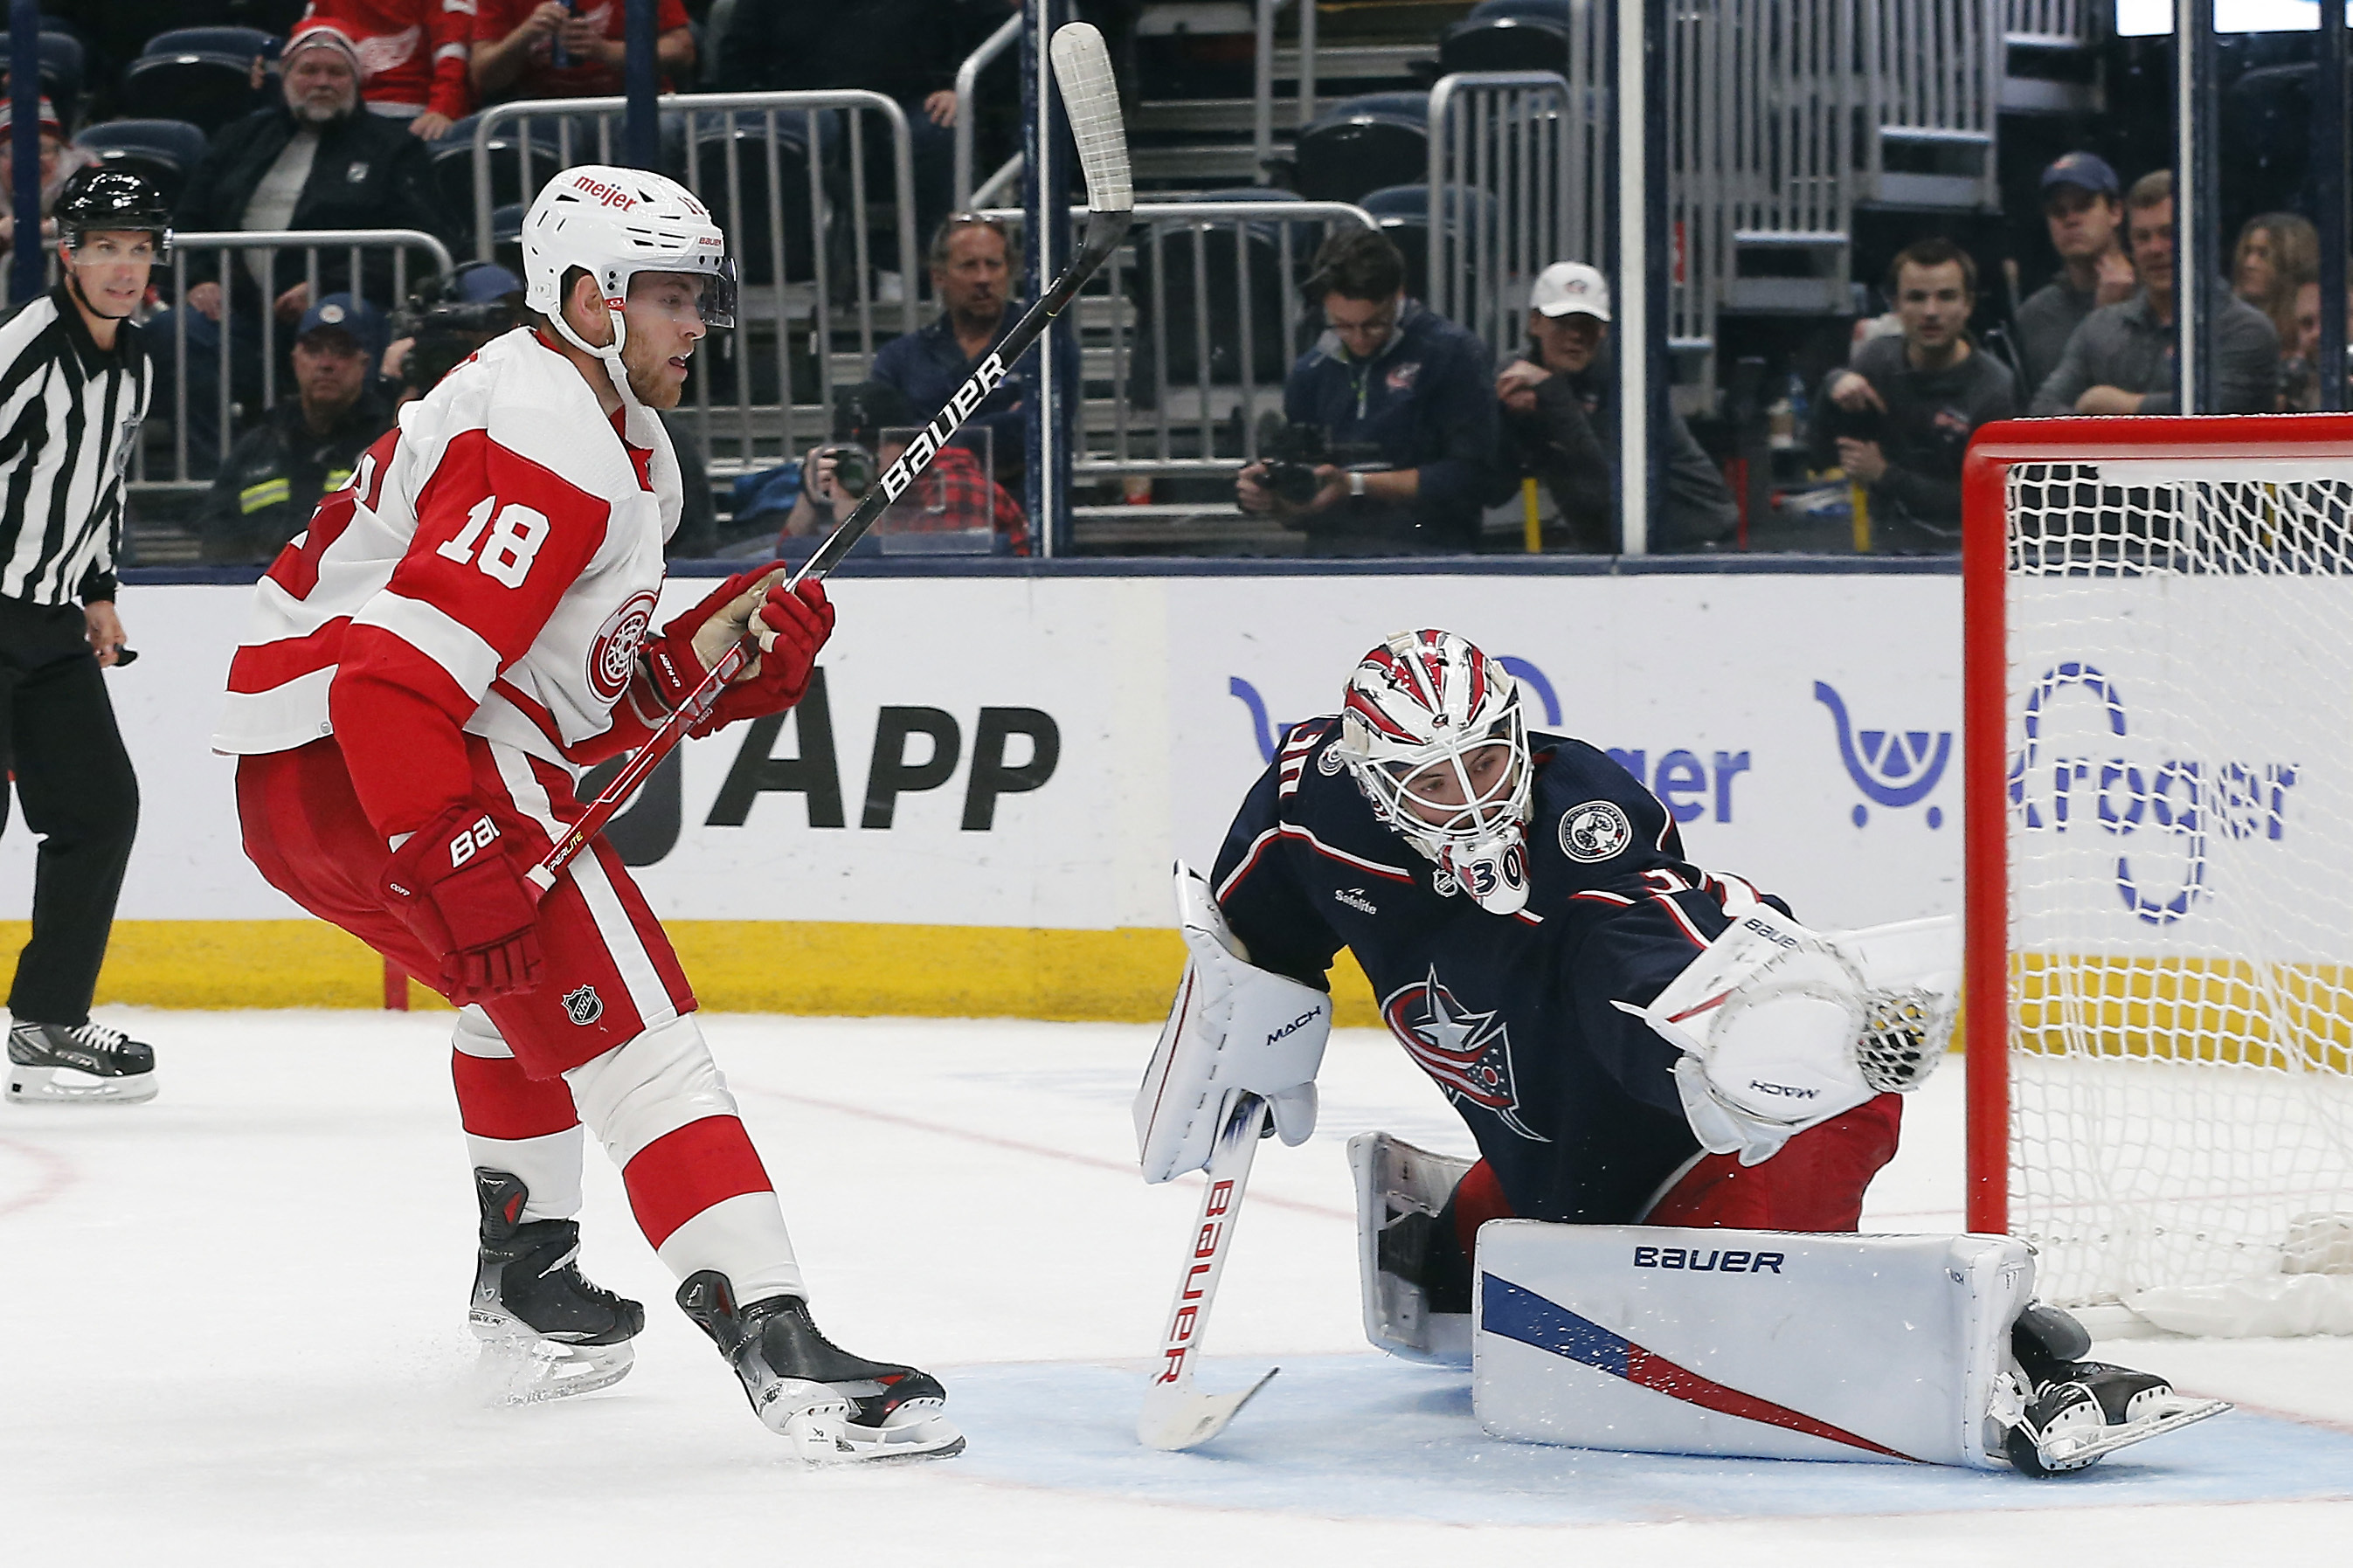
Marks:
<point>463,628</point>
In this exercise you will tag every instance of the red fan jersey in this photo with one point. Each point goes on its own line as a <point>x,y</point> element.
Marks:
<point>411,51</point>
<point>489,569</point>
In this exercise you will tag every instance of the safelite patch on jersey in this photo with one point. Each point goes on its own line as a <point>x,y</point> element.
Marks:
<point>1594,831</point>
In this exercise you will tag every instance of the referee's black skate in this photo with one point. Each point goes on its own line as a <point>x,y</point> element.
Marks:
<point>2073,1411</point>
<point>546,1332</point>
<point>832,1407</point>
<point>86,1064</point>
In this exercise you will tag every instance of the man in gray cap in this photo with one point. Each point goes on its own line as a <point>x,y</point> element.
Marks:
<point>1560,423</point>
<point>2084,204</point>
<point>306,445</point>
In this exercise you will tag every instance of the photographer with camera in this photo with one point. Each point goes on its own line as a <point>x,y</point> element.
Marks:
<point>1560,424</point>
<point>871,425</point>
<point>1899,416</point>
<point>1409,388</point>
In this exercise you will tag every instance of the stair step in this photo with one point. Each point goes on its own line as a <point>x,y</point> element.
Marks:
<point>1189,165</point>
<point>1197,116</point>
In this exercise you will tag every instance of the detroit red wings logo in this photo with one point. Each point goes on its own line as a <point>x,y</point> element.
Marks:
<point>1470,1053</point>
<point>613,657</point>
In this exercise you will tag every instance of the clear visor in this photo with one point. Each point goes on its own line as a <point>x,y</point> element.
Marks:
<point>1471,793</point>
<point>709,296</point>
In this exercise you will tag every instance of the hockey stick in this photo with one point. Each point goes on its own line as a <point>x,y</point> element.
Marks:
<point>1090,96</point>
<point>1173,1415</point>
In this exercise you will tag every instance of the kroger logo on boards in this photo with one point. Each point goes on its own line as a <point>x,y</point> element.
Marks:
<point>1893,768</point>
<point>2195,801</point>
<point>1687,783</point>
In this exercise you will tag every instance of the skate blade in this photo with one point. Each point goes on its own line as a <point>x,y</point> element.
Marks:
<point>2068,1452</point>
<point>70,1086</point>
<point>517,1369</point>
<point>916,1430</point>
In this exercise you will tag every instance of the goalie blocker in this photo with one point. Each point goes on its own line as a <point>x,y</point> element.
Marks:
<point>1777,1344</point>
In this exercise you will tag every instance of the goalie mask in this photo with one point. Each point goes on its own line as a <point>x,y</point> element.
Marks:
<point>1430,729</point>
<point>615,224</point>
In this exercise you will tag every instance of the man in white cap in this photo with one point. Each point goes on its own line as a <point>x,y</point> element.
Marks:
<point>1560,423</point>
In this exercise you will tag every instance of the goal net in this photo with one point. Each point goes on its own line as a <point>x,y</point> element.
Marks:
<point>2160,731</point>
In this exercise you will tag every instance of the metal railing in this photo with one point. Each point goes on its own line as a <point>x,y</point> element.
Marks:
<point>1191,367</point>
<point>1515,185</point>
<point>786,175</point>
<point>967,94</point>
<point>385,288</point>
<point>1263,85</point>
<point>2071,21</point>
<point>1933,71</point>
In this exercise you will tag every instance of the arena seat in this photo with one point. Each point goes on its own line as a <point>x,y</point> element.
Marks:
<point>748,224</point>
<point>1403,214</point>
<point>1508,43</point>
<point>165,151</point>
<point>1363,143</point>
<point>62,68</point>
<point>451,160</point>
<point>201,75</point>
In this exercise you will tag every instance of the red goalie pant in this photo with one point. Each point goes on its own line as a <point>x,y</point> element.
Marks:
<point>609,1021</point>
<point>1815,1182</point>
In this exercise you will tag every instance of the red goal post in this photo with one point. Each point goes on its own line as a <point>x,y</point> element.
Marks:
<point>2161,1098</point>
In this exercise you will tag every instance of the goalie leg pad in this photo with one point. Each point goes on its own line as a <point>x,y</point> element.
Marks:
<point>1761,1344</point>
<point>1415,1306</point>
<point>1233,1029</point>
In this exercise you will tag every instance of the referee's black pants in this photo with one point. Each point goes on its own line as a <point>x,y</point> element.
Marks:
<point>74,780</point>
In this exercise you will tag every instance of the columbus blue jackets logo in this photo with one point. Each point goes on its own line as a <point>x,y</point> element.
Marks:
<point>1470,1053</point>
<point>1595,831</point>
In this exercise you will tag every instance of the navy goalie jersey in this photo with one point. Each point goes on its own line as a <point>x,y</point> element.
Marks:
<point>1572,1101</point>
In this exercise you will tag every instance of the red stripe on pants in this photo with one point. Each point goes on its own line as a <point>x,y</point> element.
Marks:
<point>1815,1182</point>
<point>496,1098</point>
<point>681,1173</point>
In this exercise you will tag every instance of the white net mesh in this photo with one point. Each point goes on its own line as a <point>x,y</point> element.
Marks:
<point>2181,703</point>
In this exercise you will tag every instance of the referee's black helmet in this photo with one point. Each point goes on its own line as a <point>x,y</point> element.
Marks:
<point>101,200</point>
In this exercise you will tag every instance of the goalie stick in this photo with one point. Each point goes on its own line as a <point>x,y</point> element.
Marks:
<point>1173,1415</point>
<point>1090,96</point>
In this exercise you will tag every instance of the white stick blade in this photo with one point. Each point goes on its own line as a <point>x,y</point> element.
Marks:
<point>1090,96</point>
<point>1176,1419</point>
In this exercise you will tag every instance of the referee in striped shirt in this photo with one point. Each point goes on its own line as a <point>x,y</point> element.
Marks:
<point>74,383</point>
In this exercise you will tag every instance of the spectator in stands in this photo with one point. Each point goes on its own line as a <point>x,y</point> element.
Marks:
<point>2120,360</point>
<point>59,159</point>
<point>414,57</point>
<point>2084,206</point>
<point>306,445</point>
<point>1899,416</point>
<point>2277,253</point>
<point>974,268</point>
<point>516,43</point>
<point>1560,423</point>
<point>1394,376</point>
<point>316,160</point>
<point>907,50</point>
<point>445,320</point>
<point>873,424</point>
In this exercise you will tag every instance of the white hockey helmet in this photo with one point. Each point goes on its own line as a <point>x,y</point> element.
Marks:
<point>615,222</point>
<point>1430,729</point>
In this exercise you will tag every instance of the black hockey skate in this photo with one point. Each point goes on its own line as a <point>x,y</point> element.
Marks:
<point>832,1407</point>
<point>86,1064</point>
<point>546,1332</point>
<point>2073,1411</point>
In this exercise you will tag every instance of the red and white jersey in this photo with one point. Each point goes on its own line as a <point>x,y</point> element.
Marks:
<point>411,51</point>
<point>494,559</point>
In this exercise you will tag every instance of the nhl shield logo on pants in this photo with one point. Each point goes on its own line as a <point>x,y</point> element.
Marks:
<point>584,1006</point>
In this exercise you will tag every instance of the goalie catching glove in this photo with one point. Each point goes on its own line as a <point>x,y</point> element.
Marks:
<point>1782,1027</point>
<point>1234,1030</point>
<point>791,624</point>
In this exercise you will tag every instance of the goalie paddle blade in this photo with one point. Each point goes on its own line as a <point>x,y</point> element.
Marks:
<point>1090,96</point>
<point>1177,1418</point>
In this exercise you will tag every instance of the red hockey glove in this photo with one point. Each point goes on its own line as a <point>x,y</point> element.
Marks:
<point>696,639</point>
<point>792,625</point>
<point>456,889</point>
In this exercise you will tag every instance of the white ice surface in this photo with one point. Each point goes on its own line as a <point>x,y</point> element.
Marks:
<point>234,1323</point>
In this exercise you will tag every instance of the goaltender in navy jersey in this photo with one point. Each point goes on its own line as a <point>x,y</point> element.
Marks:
<point>1573,1102</point>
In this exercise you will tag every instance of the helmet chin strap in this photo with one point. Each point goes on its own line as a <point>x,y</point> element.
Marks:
<point>615,371</point>
<point>73,288</point>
